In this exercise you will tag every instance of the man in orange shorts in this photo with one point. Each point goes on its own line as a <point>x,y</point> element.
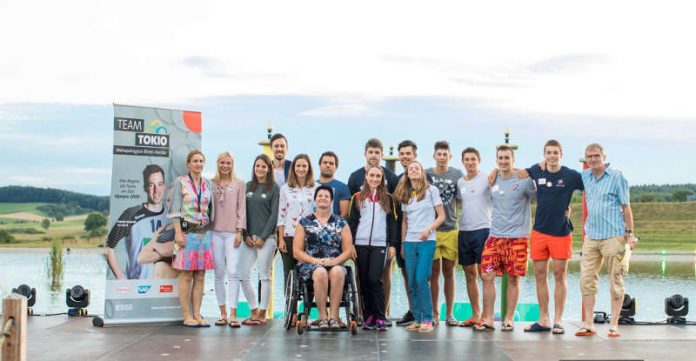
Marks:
<point>505,251</point>
<point>551,235</point>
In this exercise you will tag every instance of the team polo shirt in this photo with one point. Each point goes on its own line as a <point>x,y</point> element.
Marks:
<point>340,193</point>
<point>605,196</point>
<point>554,191</point>
<point>136,225</point>
<point>476,203</point>
<point>511,199</point>
<point>421,214</point>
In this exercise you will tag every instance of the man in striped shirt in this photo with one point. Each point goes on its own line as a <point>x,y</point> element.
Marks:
<point>608,232</point>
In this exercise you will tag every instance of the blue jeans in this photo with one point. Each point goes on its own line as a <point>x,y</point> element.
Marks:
<point>419,263</point>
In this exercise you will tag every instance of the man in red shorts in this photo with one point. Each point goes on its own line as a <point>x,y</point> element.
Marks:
<point>551,236</point>
<point>505,251</point>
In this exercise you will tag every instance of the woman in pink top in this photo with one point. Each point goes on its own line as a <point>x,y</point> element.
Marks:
<point>227,229</point>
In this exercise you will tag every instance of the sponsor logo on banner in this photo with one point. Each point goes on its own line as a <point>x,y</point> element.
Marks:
<point>124,307</point>
<point>122,289</point>
<point>166,288</point>
<point>143,289</point>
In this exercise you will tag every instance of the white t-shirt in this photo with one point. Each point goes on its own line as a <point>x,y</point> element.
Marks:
<point>421,214</point>
<point>476,203</point>
<point>279,176</point>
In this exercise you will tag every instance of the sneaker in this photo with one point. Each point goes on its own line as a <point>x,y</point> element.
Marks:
<point>413,326</point>
<point>406,320</point>
<point>369,324</point>
<point>381,325</point>
<point>426,327</point>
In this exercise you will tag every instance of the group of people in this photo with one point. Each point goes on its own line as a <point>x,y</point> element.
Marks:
<point>426,219</point>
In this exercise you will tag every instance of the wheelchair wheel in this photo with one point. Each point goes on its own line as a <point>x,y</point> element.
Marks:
<point>290,300</point>
<point>298,326</point>
<point>353,328</point>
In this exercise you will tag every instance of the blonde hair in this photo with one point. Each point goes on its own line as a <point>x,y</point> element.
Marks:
<point>407,189</point>
<point>218,176</point>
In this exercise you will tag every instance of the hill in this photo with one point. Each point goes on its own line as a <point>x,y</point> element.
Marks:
<point>70,200</point>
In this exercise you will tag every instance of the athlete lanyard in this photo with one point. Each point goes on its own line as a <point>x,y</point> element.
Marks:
<point>198,191</point>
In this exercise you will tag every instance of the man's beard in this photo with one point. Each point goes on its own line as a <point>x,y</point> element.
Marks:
<point>279,156</point>
<point>326,175</point>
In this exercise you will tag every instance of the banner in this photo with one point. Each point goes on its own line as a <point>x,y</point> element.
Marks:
<point>150,149</point>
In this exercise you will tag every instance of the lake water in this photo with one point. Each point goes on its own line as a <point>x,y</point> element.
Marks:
<point>650,281</point>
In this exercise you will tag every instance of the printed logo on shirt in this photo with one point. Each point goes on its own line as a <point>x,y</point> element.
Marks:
<point>560,183</point>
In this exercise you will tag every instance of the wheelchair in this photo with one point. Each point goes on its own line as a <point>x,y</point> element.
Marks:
<point>297,290</point>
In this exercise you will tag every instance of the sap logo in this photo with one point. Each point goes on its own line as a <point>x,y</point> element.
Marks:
<point>122,289</point>
<point>152,140</point>
<point>166,288</point>
<point>143,289</point>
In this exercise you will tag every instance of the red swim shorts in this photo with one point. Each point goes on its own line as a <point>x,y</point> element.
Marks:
<point>505,255</point>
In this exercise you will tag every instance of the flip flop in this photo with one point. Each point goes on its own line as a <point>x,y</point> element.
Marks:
<point>507,327</point>
<point>234,324</point>
<point>471,323</point>
<point>483,328</point>
<point>451,321</point>
<point>251,322</point>
<point>558,329</point>
<point>221,322</point>
<point>537,327</point>
<point>613,333</point>
<point>585,332</point>
<point>191,325</point>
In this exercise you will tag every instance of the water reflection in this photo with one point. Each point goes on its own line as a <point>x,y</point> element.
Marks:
<point>650,281</point>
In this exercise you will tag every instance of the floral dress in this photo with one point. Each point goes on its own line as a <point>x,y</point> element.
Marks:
<point>193,205</point>
<point>321,241</point>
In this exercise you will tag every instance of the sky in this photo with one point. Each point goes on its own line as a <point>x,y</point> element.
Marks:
<point>330,75</point>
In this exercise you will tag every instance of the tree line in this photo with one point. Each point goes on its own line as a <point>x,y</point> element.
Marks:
<point>67,203</point>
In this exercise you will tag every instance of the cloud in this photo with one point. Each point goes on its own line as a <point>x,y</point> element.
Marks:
<point>565,63</point>
<point>340,110</point>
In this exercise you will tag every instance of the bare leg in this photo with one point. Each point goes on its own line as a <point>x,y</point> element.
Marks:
<point>488,297</point>
<point>513,293</point>
<point>337,276</point>
<point>223,312</point>
<point>435,288</point>
<point>185,280</point>
<point>588,302</point>
<point>448,273</point>
<point>197,294</point>
<point>472,289</point>
<point>541,271</point>
<point>321,287</point>
<point>560,271</point>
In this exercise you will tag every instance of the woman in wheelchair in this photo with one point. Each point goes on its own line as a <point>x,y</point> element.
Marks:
<point>372,221</point>
<point>321,245</point>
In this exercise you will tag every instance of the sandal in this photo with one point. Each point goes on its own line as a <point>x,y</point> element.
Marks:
<point>584,331</point>
<point>221,322</point>
<point>333,324</point>
<point>507,326</point>
<point>323,324</point>
<point>251,322</point>
<point>537,327</point>
<point>234,324</point>
<point>614,333</point>
<point>482,327</point>
<point>558,329</point>
<point>451,321</point>
<point>471,322</point>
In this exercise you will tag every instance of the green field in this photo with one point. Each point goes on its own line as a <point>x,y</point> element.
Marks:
<point>7,208</point>
<point>70,230</point>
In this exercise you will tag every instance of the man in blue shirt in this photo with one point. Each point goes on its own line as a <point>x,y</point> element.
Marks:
<point>551,234</point>
<point>328,163</point>
<point>608,232</point>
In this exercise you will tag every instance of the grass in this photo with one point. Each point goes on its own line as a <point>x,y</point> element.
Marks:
<point>7,208</point>
<point>660,226</point>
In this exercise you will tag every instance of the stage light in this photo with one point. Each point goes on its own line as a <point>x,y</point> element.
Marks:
<point>628,310</point>
<point>676,307</point>
<point>77,298</point>
<point>29,293</point>
<point>600,317</point>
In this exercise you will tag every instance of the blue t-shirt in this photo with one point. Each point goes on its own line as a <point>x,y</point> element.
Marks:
<point>340,192</point>
<point>554,191</point>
